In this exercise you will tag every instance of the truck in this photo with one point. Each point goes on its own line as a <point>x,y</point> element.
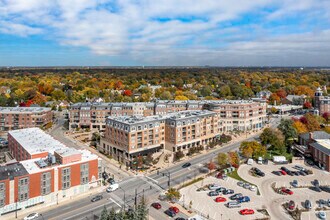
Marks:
<point>280,160</point>
<point>260,160</point>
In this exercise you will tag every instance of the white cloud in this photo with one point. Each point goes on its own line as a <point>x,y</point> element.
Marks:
<point>132,28</point>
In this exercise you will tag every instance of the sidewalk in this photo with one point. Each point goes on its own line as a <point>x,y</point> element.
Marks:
<point>45,208</point>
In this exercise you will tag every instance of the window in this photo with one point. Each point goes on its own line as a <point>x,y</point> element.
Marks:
<point>66,177</point>
<point>45,183</point>
<point>84,173</point>
<point>2,194</point>
<point>23,189</point>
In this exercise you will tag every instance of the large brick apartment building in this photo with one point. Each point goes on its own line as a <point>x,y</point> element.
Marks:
<point>47,172</point>
<point>236,114</point>
<point>126,137</point>
<point>12,118</point>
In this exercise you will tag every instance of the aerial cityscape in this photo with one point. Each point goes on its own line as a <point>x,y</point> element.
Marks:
<point>184,110</point>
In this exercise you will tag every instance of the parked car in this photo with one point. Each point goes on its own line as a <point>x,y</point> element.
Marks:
<point>277,173</point>
<point>236,196</point>
<point>111,181</point>
<point>295,173</point>
<point>308,204</point>
<point>302,173</point>
<point>186,165</point>
<point>283,172</point>
<point>213,193</point>
<point>258,172</point>
<point>316,189</point>
<point>246,185</point>
<point>325,188</point>
<point>97,198</point>
<point>322,215</point>
<point>243,199</point>
<point>32,216</point>
<point>322,203</point>
<point>287,191</point>
<point>228,191</point>
<point>170,213</point>
<point>221,176</point>
<point>233,204</point>
<point>214,186</point>
<point>174,209</point>
<point>180,218</point>
<point>291,205</point>
<point>290,173</point>
<point>316,183</point>
<point>220,199</point>
<point>328,202</point>
<point>297,167</point>
<point>294,183</point>
<point>246,212</point>
<point>240,183</point>
<point>253,188</point>
<point>220,190</point>
<point>156,205</point>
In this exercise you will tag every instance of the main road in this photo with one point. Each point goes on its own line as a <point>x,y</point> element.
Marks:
<point>132,189</point>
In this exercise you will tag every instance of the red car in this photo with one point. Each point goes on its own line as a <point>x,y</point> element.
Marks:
<point>287,191</point>
<point>291,205</point>
<point>174,209</point>
<point>246,212</point>
<point>156,205</point>
<point>220,199</point>
<point>283,172</point>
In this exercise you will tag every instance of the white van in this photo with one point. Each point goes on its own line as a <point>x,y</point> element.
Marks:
<point>233,205</point>
<point>113,187</point>
<point>260,160</point>
<point>250,161</point>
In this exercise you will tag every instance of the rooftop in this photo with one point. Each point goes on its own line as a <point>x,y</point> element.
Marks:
<point>189,114</point>
<point>319,135</point>
<point>322,145</point>
<point>23,109</point>
<point>11,171</point>
<point>35,141</point>
<point>32,167</point>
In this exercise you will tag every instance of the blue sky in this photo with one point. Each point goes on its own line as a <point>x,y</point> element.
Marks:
<point>164,32</point>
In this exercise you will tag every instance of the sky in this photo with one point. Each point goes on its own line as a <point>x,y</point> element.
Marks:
<point>164,33</point>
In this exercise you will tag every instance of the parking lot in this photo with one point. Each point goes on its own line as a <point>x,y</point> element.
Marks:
<point>205,204</point>
<point>268,198</point>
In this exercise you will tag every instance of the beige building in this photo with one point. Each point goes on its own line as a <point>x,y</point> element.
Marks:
<point>187,129</point>
<point>12,118</point>
<point>322,103</point>
<point>126,137</point>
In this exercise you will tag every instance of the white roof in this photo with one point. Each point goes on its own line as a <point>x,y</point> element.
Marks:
<point>19,110</point>
<point>32,167</point>
<point>35,141</point>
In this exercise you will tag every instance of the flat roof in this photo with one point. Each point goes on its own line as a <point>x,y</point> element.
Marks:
<point>17,110</point>
<point>35,141</point>
<point>31,166</point>
<point>189,114</point>
<point>11,171</point>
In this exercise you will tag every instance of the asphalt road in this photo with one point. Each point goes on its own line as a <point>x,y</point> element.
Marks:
<point>149,186</point>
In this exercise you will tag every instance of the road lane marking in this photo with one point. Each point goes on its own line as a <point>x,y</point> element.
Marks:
<point>115,202</point>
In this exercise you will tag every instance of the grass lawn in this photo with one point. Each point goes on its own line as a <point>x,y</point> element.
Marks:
<point>235,175</point>
<point>271,153</point>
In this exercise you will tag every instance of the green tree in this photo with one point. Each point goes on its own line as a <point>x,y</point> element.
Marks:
<point>112,214</point>
<point>222,159</point>
<point>104,214</point>
<point>173,194</point>
<point>288,130</point>
<point>58,95</point>
<point>142,210</point>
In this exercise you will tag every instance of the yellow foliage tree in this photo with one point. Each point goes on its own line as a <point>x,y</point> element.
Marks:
<point>181,97</point>
<point>300,127</point>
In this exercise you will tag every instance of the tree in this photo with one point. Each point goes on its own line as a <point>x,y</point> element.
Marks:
<point>233,158</point>
<point>166,95</point>
<point>281,93</point>
<point>274,138</point>
<point>211,165</point>
<point>307,105</point>
<point>141,212</point>
<point>300,127</point>
<point>58,95</point>
<point>222,159</point>
<point>286,127</point>
<point>326,116</point>
<point>273,110</point>
<point>178,155</point>
<point>104,214</point>
<point>252,149</point>
<point>181,97</point>
<point>127,92</point>
<point>312,123</point>
<point>173,194</point>
<point>274,99</point>
<point>112,214</point>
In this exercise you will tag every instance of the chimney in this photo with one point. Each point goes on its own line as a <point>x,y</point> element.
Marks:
<point>310,135</point>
